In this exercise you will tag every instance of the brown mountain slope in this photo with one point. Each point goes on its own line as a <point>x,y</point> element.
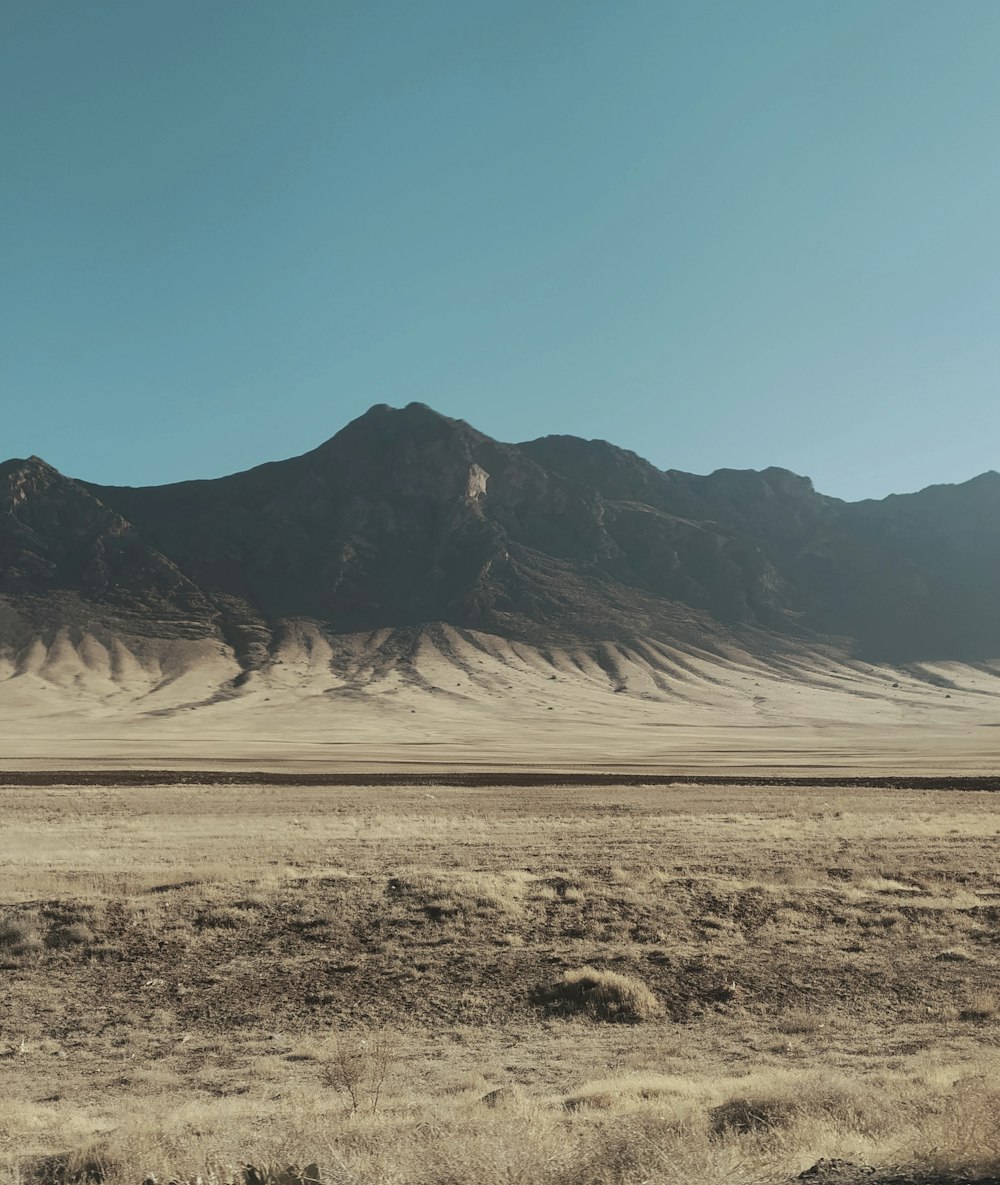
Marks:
<point>408,517</point>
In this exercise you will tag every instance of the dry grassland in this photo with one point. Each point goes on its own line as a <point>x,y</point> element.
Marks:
<point>660,985</point>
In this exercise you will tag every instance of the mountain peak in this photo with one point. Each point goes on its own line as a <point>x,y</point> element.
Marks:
<point>383,428</point>
<point>411,413</point>
<point>28,465</point>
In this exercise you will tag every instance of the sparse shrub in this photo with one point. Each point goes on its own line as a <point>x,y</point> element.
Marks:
<point>603,995</point>
<point>252,1174</point>
<point>225,917</point>
<point>445,895</point>
<point>502,1096</point>
<point>955,954</point>
<point>798,1022</point>
<point>19,936</point>
<point>358,1066</point>
<point>291,1175</point>
<point>765,1108</point>
<point>617,1093</point>
<point>87,1166</point>
<point>981,1006</point>
<point>727,992</point>
<point>747,1115</point>
<point>73,934</point>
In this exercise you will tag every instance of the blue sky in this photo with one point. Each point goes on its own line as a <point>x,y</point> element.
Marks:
<point>718,233</point>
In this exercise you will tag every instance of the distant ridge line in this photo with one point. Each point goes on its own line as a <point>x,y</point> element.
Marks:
<point>407,521</point>
<point>525,779</point>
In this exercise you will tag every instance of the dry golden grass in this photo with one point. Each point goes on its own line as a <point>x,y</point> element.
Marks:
<point>602,995</point>
<point>198,977</point>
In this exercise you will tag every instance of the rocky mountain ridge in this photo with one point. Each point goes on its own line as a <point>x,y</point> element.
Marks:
<point>407,517</point>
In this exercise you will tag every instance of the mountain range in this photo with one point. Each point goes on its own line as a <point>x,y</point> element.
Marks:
<point>407,518</point>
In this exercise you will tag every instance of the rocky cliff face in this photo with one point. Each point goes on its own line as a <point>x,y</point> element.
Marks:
<point>407,517</point>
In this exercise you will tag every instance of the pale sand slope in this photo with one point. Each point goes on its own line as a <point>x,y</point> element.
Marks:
<point>452,698</point>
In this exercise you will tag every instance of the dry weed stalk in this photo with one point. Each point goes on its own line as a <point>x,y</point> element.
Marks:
<point>358,1066</point>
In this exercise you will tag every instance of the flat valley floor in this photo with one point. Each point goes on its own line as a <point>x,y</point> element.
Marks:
<point>423,985</point>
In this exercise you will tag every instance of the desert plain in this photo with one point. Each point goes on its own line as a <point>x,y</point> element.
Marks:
<point>443,952</point>
<point>429,983</point>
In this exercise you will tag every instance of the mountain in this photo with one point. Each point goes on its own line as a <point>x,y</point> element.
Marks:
<point>68,558</point>
<point>407,518</point>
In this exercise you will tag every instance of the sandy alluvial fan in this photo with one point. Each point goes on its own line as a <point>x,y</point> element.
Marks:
<point>413,562</point>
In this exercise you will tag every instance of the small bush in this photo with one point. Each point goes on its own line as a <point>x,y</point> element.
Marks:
<point>74,934</point>
<point>603,995</point>
<point>358,1066</point>
<point>798,1022</point>
<point>955,954</point>
<point>747,1115</point>
<point>981,1006</point>
<point>628,1092</point>
<point>19,936</point>
<point>291,1175</point>
<point>226,917</point>
<point>87,1166</point>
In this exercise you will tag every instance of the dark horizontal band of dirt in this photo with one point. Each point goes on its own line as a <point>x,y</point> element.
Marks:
<point>523,779</point>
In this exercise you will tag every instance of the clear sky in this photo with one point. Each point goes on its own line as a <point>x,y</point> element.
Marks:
<point>718,232</point>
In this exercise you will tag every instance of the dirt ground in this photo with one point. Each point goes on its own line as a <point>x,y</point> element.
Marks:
<point>190,973</point>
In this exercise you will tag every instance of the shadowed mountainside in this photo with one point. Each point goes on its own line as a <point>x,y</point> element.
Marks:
<point>406,517</point>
